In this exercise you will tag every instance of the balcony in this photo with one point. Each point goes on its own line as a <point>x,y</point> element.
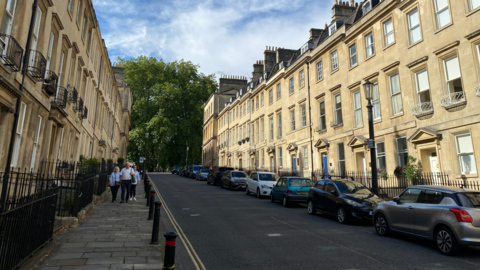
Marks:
<point>61,98</point>
<point>453,100</point>
<point>72,94</point>
<point>79,107</point>
<point>101,143</point>
<point>422,109</point>
<point>11,52</point>
<point>85,113</point>
<point>50,83</point>
<point>477,89</point>
<point>37,65</point>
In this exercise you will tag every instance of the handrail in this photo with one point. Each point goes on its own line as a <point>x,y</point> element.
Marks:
<point>11,52</point>
<point>422,108</point>
<point>452,99</point>
<point>37,65</point>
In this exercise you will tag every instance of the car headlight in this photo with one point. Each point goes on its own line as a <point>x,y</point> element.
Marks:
<point>265,186</point>
<point>353,203</point>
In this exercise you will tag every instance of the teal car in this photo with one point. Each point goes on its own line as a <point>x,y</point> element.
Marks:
<point>291,189</point>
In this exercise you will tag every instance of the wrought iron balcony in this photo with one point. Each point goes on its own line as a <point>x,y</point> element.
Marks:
<point>477,89</point>
<point>79,107</point>
<point>423,108</point>
<point>453,100</point>
<point>101,142</point>
<point>50,83</point>
<point>11,52</point>
<point>85,113</point>
<point>72,94</point>
<point>37,65</point>
<point>61,97</point>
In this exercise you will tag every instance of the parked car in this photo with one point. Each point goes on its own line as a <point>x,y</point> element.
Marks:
<point>216,175</point>
<point>203,174</point>
<point>234,180</point>
<point>194,171</point>
<point>347,200</point>
<point>291,189</point>
<point>176,168</point>
<point>187,171</point>
<point>261,183</point>
<point>183,171</point>
<point>447,215</point>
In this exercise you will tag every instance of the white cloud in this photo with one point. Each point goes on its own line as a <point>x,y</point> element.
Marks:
<point>221,36</point>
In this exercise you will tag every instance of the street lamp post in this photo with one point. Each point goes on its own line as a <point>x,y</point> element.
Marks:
<point>186,160</point>
<point>368,88</point>
<point>145,154</point>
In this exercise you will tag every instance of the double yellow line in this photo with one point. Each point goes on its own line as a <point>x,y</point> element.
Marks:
<point>188,246</point>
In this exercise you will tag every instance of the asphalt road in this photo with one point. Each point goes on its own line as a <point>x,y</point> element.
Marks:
<point>230,230</point>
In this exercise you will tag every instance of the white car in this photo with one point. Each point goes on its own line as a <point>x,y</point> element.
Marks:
<point>261,183</point>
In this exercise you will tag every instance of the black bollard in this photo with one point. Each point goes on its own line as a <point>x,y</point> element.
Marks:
<point>170,242</point>
<point>147,195</point>
<point>147,183</point>
<point>152,204</point>
<point>156,223</point>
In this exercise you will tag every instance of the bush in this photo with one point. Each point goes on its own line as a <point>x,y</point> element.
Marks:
<point>413,171</point>
<point>68,206</point>
<point>82,158</point>
<point>110,161</point>
<point>120,160</point>
<point>92,162</point>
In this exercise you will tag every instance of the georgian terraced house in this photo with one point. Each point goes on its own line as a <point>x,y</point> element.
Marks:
<point>74,102</point>
<point>305,109</point>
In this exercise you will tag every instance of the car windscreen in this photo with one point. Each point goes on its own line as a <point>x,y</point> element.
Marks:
<point>238,174</point>
<point>268,177</point>
<point>469,199</point>
<point>301,182</point>
<point>205,170</point>
<point>352,187</point>
<point>196,168</point>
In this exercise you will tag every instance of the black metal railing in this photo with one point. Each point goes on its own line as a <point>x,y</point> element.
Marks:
<point>61,97</point>
<point>37,65</point>
<point>50,83</point>
<point>72,94</point>
<point>85,113</point>
<point>11,52</point>
<point>79,107</point>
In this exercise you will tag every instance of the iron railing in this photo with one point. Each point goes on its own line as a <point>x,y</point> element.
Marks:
<point>79,107</point>
<point>72,94</point>
<point>422,108</point>
<point>61,98</point>
<point>85,113</point>
<point>11,52</point>
<point>37,66</point>
<point>50,83</point>
<point>453,99</point>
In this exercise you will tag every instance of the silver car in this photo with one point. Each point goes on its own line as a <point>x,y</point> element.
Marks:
<point>449,216</point>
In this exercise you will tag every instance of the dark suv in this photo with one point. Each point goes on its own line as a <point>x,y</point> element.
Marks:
<point>216,175</point>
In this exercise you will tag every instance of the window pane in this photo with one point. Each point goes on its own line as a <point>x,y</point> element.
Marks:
<point>395,84</point>
<point>375,95</point>
<point>357,102</point>
<point>422,81</point>
<point>474,4</point>
<point>443,18</point>
<point>380,148</point>
<point>452,68</point>
<point>464,143</point>
<point>413,18</point>
<point>341,153</point>
<point>397,104</point>
<point>388,26</point>
<point>410,196</point>
<point>415,34</point>
<point>358,118</point>
<point>338,103</point>
<point>467,164</point>
<point>441,4</point>
<point>402,144</point>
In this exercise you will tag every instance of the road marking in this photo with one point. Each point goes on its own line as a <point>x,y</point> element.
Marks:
<point>188,246</point>
<point>194,215</point>
<point>274,234</point>
<point>185,208</point>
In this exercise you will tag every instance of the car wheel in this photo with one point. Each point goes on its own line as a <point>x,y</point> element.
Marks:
<point>381,225</point>
<point>285,201</point>
<point>342,215</point>
<point>446,241</point>
<point>247,192</point>
<point>271,198</point>
<point>258,193</point>
<point>310,208</point>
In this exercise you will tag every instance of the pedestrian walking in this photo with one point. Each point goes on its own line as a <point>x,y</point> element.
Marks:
<point>135,181</point>
<point>115,183</point>
<point>126,176</point>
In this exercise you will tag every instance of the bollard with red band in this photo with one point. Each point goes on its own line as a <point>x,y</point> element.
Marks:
<point>156,223</point>
<point>147,183</point>
<point>152,204</point>
<point>170,243</point>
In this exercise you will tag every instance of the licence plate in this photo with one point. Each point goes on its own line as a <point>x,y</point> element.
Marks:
<point>302,192</point>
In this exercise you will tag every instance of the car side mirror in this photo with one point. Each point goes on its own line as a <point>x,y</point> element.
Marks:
<point>334,193</point>
<point>396,199</point>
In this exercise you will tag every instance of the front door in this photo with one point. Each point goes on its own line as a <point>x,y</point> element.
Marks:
<point>294,164</point>
<point>325,165</point>
<point>240,163</point>
<point>329,201</point>
<point>434,169</point>
<point>401,214</point>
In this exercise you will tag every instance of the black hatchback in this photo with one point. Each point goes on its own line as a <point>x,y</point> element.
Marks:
<point>215,176</point>
<point>347,200</point>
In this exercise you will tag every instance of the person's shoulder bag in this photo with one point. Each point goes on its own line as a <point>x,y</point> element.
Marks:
<point>117,183</point>
<point>134,180</point>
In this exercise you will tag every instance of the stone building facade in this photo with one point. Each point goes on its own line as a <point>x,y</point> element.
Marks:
<point>306,110</point>
<point>74,101</point>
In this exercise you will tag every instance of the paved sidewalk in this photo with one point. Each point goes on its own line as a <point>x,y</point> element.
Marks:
<point>113,236</point>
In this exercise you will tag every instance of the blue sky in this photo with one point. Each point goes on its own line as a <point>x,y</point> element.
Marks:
<point>223,37</point>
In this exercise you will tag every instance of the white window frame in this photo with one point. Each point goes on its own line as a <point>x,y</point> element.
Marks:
<point>263,157</point>
<point>36,29</point>
<point>79,8</point>
<point>447,78</point>
<point>292,89</point>
<point>418,87</point>
<point>341,160</point>
<point>279,125</point>
<point>367,6</point>
<point>381,155</point>
<point>262,123</point>
<point>18,134</point>
<point>369,45</point>
<point>377,111</point>
<point>334,60</point>
<point>323,122</point>
<point>305,157</point>
<point>302,78</point>
<point>280,158</point>
<point>68,145</point>
<point>261,99</point>
<point>332,29</point>
<point>460,155</point>
<point>270,96</point>
<point>470,4</point>
<point>438,12</point>
<point>338,110</point>
<point>271,128</point>
<point>7,22</point>
<point>412,28</point>
<point>258,131</point>
<point>279,91</point>
<point>319,71</point>
<point>35,143</point>
<point>388,34</point>
<point>357,108</point>
<point>60,71</point>
<point>401,152</point>
<point>49,52</point>
<point>393,95</point>
<point>353,55</point>
<point>304,115</point>
<point>258,104</point>
<point>292,120</point>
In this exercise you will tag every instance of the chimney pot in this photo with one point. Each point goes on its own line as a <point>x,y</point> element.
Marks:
<point>335,2</point>
<point>326,26</point>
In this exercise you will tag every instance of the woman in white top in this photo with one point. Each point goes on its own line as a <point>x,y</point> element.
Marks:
<point>115,183</point>
<point>135,181</point>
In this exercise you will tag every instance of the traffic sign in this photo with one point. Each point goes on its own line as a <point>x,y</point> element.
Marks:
<point>142,159</point>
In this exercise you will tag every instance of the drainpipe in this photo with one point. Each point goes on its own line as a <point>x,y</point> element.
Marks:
<point>96,106</point>
<point>18,104</point>
<point>310,116</point>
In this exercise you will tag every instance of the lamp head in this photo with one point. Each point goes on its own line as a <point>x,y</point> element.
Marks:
<point>368,88</point>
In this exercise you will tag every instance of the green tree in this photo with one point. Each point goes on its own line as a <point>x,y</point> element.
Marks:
<point>168,101</point>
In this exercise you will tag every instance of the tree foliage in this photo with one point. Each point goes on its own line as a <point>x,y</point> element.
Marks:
<point>168,100</point>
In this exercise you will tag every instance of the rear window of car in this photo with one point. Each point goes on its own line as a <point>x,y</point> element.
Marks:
<point>301,182</point>
<point>268,177</point>
<point>469,199</point>
<point>238,174</point>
